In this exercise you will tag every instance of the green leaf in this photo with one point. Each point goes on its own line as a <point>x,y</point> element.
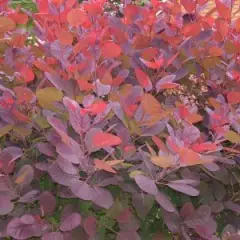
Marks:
<point>232,136</point>
<point>5,130</point>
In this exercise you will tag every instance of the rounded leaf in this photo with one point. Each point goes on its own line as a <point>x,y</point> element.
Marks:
<point>47,202</point>
<point>70,222</point>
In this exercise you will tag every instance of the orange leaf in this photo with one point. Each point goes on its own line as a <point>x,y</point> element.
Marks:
<point>101,165</point>
<point>160,144</point>
<point>6,24</point>
<point>101,140</point>
<point>64,36</point>
<point>215,51</point>
<point>189,157</point>
<point>233,97</point>
<point>114,162</point>
<point>168,85</point>
<point>111,50</point>
<point>143,79</point>
<point>237,25</point>
<point>76,17</point>
<point>194,118</point>
<point>27,74</point>
<point>151,105</point>
<point>164,161</point>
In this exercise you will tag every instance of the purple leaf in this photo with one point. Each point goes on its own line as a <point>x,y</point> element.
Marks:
<point>24,227</point>
<point>60,84</point>
<point>90,226</point>
<point>70,222</point>
<point>47,202</point>
<point>59,176</point>
<point>217,207</point>
<point>60,52</point>
<point>184,189</point>
<point>15,152</point>
<point>82,190</point>
<point>166,79</point>
<point>190,134</point>
<point>146,184</point>
<point>6,206</point>
<point>79,122</point>
<point>66,166</point>
<point>187,210</point>
<point>164,202</point>
<point>24,176</point>
<point>185,182</point>
<point>103,198</point>
<point>53,236</point>
<point>142,203</point>
<point>101,89</point>
<point>46,149</point>
<point>207,230</point>
<point>29,197</point>
<point>232,206</point>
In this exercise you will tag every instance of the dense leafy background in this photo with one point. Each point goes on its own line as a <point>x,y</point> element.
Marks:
<point>119,120</point>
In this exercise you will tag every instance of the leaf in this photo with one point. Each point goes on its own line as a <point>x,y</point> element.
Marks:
<point>29,197</point>
<point>69,222</point>
<point>111,50</point>
<point>189,5</point>
<point>163,161</point>
<point>48,96</point>
<point>53,236</point>
<point>24,95</point>
<point>90,226</point>
<point>24,227</point>
<point>232,206</point>
<point>101,165</point>
<point>191,29</point>
<point>6,206</point>
<point>61,53</point>
<point>46,149</point>
<point>47,202</point>
<point>27,73</point>
<point>164,202</point>
<point>6,24</point>
<point>66,166</point>
<point>25,175</point>
<point>162,83</point>
<point>143,79</point>
<point>65,37</point>
<point>184,189</point>
<point>223,10</point>
<point>76,17</point>
<point>5,130</point>
<point>102,140</point>
<point>232,136</point>
<point>194,118</point>
<point>146,184</point>
<point>233,97</point>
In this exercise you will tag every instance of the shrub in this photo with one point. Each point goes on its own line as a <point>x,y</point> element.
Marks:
<point>118,121</point>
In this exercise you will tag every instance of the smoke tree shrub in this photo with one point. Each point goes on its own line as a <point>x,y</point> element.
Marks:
<point>119,124</point>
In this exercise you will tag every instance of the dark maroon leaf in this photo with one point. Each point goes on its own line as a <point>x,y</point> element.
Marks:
<point>164,202</point>
<point>70,222</point>
<point>172,220</point>
<point>232,206</point>
<point>142,203</point>
<point>47,202</point>
<point>146,184</point>
<point>128,235</point>
<point>90,226</point>
<point>6,206</point>
<point>187,210</point>
<point>53,236</point>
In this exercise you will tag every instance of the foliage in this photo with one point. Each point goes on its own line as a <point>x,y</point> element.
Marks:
<point>119,121</point>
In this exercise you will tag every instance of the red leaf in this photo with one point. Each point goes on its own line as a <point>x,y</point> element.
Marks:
<point>64,36</point>
<point>76,17</point>
<point>27,73</point>
<point>223,10</point>
<point>19,18</point>
<point>233,97</point>
<point>98,107</point>
<point>111,50</point>
<point>202,147</point>
<point>23,94</point>
<point>93,8</point>
<point>143,79</point>
<point>101,140</point>
<point>222,27</point>
<point>189,5</point>
<point>90,226</point>
<point>191,29</point>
